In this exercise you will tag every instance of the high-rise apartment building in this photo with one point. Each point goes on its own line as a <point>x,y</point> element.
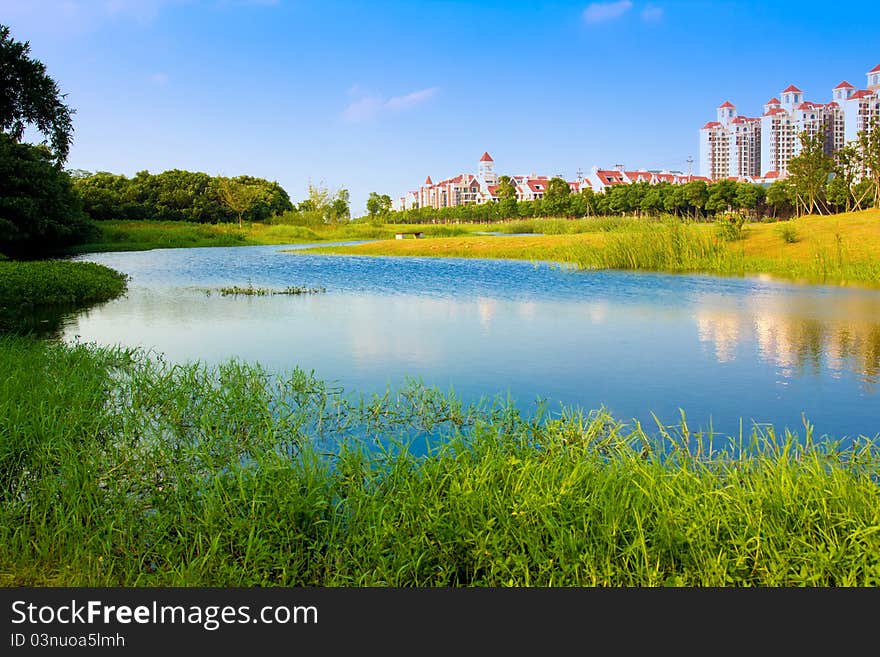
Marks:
<point>738,146</point>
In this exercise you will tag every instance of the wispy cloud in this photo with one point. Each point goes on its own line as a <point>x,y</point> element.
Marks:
<point>142,11</point>
<point>599,12</point>
<point>652,13</point>
<point>373,106</point>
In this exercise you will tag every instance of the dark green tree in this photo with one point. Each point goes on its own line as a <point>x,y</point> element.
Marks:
<point>30,97</point>
<point>40,212</point>
<point>779,198</point>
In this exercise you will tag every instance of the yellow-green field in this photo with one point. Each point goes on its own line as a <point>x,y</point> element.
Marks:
<point>841,249</point>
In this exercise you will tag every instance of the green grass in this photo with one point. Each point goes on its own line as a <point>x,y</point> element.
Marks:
<point>53,282</point>
<point>145,235</point>
<point>117,468</point>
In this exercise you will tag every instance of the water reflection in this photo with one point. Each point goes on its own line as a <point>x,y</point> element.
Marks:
<point>723,349</point>
<point>798,334</point>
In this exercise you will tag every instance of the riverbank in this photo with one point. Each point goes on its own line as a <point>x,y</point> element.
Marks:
<point>37,292</point>
<point>840,249</point>
<point>119,469</point>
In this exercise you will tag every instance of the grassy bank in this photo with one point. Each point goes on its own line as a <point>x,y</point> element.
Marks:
<point>35,295</point>
<point>839,249</point>
<point>30,284</point>
<point>144,235</point>
<point>119,469</point>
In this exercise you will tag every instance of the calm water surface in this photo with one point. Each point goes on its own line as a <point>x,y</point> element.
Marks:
<point>724,350</point>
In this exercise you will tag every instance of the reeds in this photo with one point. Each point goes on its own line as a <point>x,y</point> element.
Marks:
<point>251,291</point>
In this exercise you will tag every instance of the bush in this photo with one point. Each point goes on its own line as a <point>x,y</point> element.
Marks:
<point>730,227</point>
<point>788,232</point>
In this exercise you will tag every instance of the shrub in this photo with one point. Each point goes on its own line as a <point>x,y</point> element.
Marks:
<point>730,227</point>
<point>788,232</point>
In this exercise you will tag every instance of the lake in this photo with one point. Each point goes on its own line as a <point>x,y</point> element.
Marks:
<point>725,350</point>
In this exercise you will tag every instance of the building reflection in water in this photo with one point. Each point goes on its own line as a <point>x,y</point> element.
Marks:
<point>837,332</point>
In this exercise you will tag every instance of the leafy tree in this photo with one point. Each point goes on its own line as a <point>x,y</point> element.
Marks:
<point>40,211</point>
<point>590,201</point>
<point>378,205</point>
<point>779,198</point>
<point>750,197</point>
<point>506,193</point>
<point>652,201</point>
<point>238,196</point>
<point>340,206</point>
<point>808,174</point>
<point>556,197</point>
<point>847,167</point>
<point>696,195</point>
<point>29,96</point>
<point>868,147</point>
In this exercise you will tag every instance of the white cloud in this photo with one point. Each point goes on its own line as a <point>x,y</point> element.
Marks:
<point>606,11</point>
<point>374,106</point>
<point>652,13</point>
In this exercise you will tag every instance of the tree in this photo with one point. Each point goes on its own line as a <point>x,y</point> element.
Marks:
<point>29,96</point>
<point>695,195</point>
<point>847,167</point>
<point>721,196</point>
<point>506,193</point>
<point>40,212</point>
<point>779,198</point>
<point>556,197</point>
<point>340,206</point>
<point>808,174</point>
<point>378,205</point>
<point>869,159</point>
<point>237,195</point>
<point>750,197</point>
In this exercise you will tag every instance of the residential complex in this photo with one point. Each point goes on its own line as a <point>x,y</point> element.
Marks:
<point>468,188</point>
<point>751,149</point>
<point>761,147</point>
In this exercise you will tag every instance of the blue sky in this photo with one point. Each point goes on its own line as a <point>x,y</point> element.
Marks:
<point>374,96</point>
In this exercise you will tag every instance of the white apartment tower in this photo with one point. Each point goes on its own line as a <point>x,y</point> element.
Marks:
<point>735,146</point>
<point>862,108</point>
<point>731,145</point>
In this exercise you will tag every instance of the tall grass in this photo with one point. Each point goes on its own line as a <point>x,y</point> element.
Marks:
<point>670,246</point>
<point>120,469</point>
<point>570,226</point>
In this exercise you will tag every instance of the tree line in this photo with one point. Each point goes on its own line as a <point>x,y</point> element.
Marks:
<point>696,200</point>
<point>178,195</point>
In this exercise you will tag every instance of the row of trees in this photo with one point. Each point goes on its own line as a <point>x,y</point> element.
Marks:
<point>178,195</point>
<point>695,200</point>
